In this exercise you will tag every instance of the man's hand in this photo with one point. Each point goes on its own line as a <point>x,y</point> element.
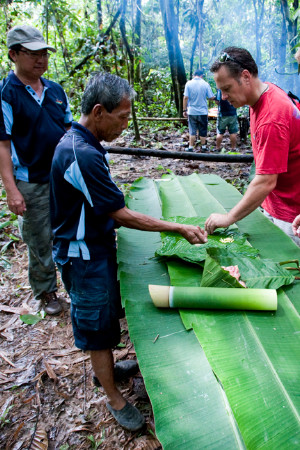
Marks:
<point>296,226</point>
<point>217,221</point>
<point>195,235</point>
<point>16,202</point>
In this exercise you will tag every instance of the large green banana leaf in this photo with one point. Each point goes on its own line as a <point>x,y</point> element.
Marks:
<point>254,356</point>
<point>189,405</point>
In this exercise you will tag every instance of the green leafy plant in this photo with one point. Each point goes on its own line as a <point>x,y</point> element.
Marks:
<point>175,246</point>
<point>4,420</point>
<point>96,444</point>
<point>32,319</point>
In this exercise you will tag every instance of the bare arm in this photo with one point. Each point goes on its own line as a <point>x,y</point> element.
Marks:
<point>185,102</point>
<point>296,226</point>
<point>15,200</point>
<point>132,219</point>
<point>257,191</point>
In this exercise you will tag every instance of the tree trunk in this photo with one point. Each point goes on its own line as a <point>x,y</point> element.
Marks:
<point>99,15</point>
<point>259,13</point>
<point>137,30</point>
<point>175,57</point>
<point>201,29</point>
<point>131,65</point>
<point>194,49</point>
<point>283,41</point>
<point>292,38</point>
<point>291,24</point>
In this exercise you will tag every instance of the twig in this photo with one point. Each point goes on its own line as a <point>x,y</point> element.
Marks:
<point>84,389</point>
<point>156,339</point>
<point>290,261</point>
<point>35,428</point>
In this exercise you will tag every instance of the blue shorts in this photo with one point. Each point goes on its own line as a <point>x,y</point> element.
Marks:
<point>95,301</point>
<point>230,122</point>
<point>198,123</point>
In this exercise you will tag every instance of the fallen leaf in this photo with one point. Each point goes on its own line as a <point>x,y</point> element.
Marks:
<point>50,371</point>
<point>40,441</point>
<point>13,309</point>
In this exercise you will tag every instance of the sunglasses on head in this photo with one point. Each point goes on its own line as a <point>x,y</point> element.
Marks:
<point>225,57</point>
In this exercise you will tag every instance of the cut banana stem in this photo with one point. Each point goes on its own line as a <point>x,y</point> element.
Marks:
<point>213,298</point>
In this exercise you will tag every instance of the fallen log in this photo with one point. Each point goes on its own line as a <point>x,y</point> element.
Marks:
<point>169,119</point>
<point>218,157</point>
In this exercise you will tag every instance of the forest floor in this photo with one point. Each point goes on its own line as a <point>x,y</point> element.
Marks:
<point>47,396</point>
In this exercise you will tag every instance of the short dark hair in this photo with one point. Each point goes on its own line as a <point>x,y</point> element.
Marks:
<point>16,48</point>
<point>105,89</point>
<point>241,60</point>
<point>198,73</point>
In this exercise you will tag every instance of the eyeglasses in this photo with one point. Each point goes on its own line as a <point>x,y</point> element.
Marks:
<point>225,57</point>
<point>34,55</point>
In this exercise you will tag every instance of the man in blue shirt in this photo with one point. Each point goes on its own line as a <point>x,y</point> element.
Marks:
<point>195,107</point>
<point>34,115</point>
<point>227,119</point>
<point>86,207</point>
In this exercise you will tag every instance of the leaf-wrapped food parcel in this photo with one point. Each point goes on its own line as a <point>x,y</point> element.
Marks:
<point>255,272</point>
<point>174,245</point>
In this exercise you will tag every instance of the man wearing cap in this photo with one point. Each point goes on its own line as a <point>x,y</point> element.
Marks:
<point>34,115</point>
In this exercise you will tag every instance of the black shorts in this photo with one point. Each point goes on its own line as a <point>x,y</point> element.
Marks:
<point>95,301</point>
<point>198,123</point>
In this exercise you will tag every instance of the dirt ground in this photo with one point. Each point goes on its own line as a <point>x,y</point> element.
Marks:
<point>47,396</point>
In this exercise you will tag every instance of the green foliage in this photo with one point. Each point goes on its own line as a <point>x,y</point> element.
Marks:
<point>175,246</point>
<point>154,96</point>
<point>96,444</point>
<point>32,319</point>
<point>255,272</point>
<point>83,49</point>
<point>4,420</point>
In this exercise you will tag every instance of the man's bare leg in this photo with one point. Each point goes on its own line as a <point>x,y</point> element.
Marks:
<point>103,365</point>
<point>233,139</point>
<point>192,141</point>
<point>219,140</point>
<point>203,140</point>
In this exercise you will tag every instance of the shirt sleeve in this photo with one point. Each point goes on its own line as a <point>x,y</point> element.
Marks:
<point>6,120</point>
<point>271,142</point>
<point>105,196</point>
<point>209,93</point>
<point>68,115</point>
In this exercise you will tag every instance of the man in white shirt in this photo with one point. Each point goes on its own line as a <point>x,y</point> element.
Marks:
<point>195,108</point>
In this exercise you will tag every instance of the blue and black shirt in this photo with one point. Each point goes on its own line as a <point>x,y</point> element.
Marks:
<point>82,195</point>
<point>34,125</point>
<point>224,107</point>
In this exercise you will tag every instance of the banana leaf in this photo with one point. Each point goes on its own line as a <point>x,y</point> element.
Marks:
<point>189,405</point>
<point>255,272</point>
<point>175,246</point>
<point>243,391</point>
<point>242,348</point>
<point>270,240</point>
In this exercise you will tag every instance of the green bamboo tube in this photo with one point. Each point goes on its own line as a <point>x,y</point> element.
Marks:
<point>213,298</point>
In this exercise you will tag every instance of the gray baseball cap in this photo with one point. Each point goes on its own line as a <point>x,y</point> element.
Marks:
<point>28,37</point>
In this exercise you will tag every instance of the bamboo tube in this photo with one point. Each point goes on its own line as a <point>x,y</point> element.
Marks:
<point>213,298</point>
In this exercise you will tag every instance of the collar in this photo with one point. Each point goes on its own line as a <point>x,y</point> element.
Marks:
<point>15,80</point>
<point>88,136</point>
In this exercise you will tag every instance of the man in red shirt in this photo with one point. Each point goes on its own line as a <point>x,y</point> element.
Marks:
<point>275,131</point>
